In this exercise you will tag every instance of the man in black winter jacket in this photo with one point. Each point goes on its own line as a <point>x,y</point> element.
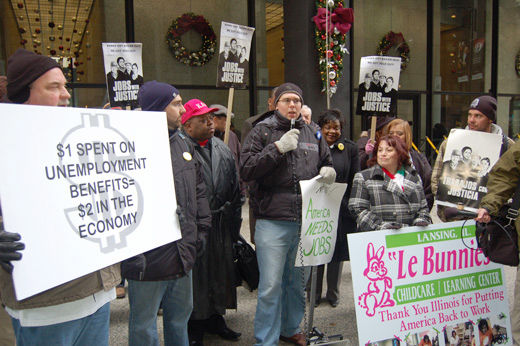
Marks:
<point>279,152</point>
<point>214,274</point>
<point>163,275</point>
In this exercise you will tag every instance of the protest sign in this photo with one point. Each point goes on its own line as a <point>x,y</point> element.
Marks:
<point>468,158</point>
<point>85,188</point>
<point>124,72</point>
<point>424,283</point>
<point>378,85</point>
<point>233,60</point>
<point>320,212</point>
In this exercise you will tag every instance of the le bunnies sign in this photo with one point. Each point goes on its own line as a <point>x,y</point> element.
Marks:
<point>422,284</point>
<point>85,189</point>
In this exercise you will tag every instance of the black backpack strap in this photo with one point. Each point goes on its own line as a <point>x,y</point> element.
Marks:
<point>504,146</point>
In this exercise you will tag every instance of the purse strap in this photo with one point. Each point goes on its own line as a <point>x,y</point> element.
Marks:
<point>512,212</point>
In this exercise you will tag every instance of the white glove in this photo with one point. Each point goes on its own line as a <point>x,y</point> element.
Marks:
<point>288,142</point>
<point>328,175</point>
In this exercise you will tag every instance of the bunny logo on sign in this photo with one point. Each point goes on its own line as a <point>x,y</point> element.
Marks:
<point>377,294</point>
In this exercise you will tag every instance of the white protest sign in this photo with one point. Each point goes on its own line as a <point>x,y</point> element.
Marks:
<point>85,188</point>
<point>468,158</point>
<point>233,59</point>
<point>320,212</point>
<point>378,84</point>
<point>124,72</point>
<point>421,283</point>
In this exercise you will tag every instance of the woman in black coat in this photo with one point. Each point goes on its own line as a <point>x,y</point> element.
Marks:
<point>345,159</point>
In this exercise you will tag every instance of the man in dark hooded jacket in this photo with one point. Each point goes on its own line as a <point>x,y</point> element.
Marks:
<point>214,274</point>
<point>162,276</point>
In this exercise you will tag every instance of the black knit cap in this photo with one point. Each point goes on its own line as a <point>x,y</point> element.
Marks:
<point>487,105</point>
<point>287,88</point>
<point>23,68</point>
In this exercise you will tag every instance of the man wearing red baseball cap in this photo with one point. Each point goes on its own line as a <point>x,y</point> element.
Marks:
<point>214,278</point>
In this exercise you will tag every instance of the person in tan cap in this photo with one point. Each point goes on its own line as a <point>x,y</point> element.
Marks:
<point>77,312</point>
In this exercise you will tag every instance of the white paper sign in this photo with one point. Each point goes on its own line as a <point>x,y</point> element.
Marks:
<point>233,59</point>
<point>378,84</point>
<point>85,188</point>
<point>421,283</point>
<point>468,158</point>
<point>124,73</point>
<point>320,211</point>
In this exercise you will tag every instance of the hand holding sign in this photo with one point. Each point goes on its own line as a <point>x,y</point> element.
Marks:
<point>9,247</point>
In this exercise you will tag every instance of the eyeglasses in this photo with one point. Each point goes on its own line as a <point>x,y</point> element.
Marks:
<point>288,101</point>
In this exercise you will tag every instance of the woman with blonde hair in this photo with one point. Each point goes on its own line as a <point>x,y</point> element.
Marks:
<point>401,128</point>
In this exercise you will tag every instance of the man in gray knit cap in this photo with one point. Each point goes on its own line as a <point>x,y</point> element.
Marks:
<point>279,152</point>
<point>77,312</point>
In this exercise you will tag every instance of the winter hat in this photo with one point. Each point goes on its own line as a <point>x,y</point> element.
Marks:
<point>487,105</point>
<point>23,68</point>
<point>194,108</point>
<point>382,121</point>
<point>156,96</point>
<point>221,110</point>
<point>287,88</point>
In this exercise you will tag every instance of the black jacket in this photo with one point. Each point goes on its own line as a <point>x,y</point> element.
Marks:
<point>423,168</point>
<point>176,259</point>
<point>214,273</point>
<point>345,158</point>
<point>278,194</point>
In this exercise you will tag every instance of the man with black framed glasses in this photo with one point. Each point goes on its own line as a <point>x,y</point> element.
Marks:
<point>279,152</point>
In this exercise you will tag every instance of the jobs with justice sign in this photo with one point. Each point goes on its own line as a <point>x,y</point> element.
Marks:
<point>85,189</point>
<point>378,84</point>
<point>124,73</point>
<point>233,59</point>
<point>320,213</point>
<point>421,284</point>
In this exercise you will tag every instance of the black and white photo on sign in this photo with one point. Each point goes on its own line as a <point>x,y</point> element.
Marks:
<point>378,85</point>
<point>124,73</point>
<point>469,157</point>
<point>233,60</point>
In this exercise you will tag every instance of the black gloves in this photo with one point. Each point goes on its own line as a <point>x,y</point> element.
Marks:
<point>9,247</point>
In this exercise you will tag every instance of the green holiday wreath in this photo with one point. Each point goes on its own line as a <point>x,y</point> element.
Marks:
<point>181,25</point>
<point>392,39</point>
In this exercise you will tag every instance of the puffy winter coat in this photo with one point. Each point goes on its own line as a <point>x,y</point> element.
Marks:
<point>176,259</point>
<point>277,176</point>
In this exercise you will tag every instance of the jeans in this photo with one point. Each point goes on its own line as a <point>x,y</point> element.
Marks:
<point>281,299</point>
<point>145,297</point>
<point>90,330</point>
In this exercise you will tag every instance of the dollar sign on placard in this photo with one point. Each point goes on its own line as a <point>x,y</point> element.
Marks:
<point>81,210</point>
<point>61,152</point>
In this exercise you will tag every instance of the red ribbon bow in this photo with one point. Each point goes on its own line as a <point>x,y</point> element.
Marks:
<point>341,19</point>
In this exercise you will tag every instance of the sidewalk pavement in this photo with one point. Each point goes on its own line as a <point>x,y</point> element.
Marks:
<point>331,321</point>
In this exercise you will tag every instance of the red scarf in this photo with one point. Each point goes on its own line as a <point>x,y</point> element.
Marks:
<point>390,175</point>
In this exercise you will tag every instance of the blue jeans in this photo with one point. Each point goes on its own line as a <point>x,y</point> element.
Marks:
<point>281,299</point>
<point>90,330</point>
<point>145,297</point>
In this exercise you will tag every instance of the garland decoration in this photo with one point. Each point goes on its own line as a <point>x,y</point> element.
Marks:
<point>333,21</point>
<point>181,25</point>
<point>392,39</point>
